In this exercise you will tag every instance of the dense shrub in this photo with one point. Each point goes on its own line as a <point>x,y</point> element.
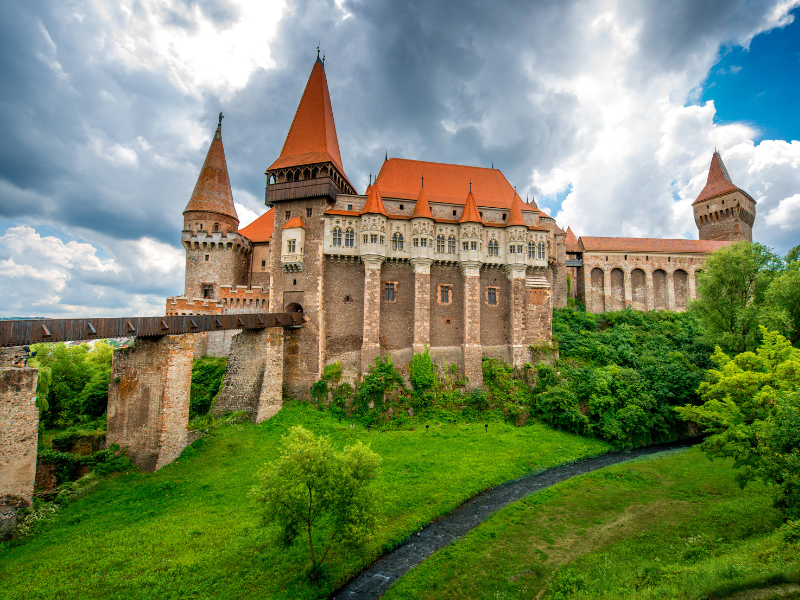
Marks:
<point>68,466</point>
<point>207,375</point>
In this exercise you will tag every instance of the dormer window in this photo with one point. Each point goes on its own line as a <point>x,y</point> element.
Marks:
<point>349,207</point>
<point>504,216</point>
<point>401,207</point>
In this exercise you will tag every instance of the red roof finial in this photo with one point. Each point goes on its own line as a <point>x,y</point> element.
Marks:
<point>374,203</point>
<point>422,209</point>
<point>471,213</point>
<point>515,214</point>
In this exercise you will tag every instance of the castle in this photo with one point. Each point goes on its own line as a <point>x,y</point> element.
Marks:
<point>433,255</point>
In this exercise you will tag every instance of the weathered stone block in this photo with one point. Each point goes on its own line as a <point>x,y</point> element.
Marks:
<point>19,429</point>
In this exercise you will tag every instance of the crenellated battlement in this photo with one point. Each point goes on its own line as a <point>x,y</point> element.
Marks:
<point>208,240</point>
<point>181,305</point>
<point>242,297</point>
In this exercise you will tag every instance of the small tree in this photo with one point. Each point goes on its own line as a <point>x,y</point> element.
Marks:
<point>315,492</point>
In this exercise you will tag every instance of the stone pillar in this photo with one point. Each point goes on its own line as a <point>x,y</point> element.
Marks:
<point>650,291</point>
<point>670,291</point>
<point>253,380</point>
<point>471,348</point>
<point>607,288</point>
<point>519,353</point>
<point>422,304</point>
<point>371,343</point>
<point>19,430</point>
<point>148,399</point>
<point>628,300</point>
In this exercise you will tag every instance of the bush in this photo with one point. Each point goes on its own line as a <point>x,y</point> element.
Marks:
<point>207,375</point>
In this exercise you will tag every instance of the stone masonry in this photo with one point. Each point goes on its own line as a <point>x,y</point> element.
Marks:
<point>19,430</point>
<point>148,400</point>
<point>254,376</point>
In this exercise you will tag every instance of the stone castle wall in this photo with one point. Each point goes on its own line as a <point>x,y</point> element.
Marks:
<point>148,401</point>
<point>19,431</point>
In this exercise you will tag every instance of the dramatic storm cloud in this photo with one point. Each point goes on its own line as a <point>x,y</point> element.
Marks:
<point>602,111</point>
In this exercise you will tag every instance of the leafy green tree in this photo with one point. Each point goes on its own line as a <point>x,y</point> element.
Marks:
<point>70,372</point>
<point>752,409</point>
<point>317,493</point>
<point>731,290</point>
<point>782,302</point>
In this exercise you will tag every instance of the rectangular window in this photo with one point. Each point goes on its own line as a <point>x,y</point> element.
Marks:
<point>423,242</point>
<point>445,294</point>
<point>381,240</point>
<point>263,264</point>
<point>451,245</point>
<point>416,242</point>
<point>373,238</point>
<point>473,245</point>
<point>465,245</point>
<point>309,212</point>
<point>349,207</point>
<point>208,290</point>
<point>288,214</point>
<point>491,296</point>
<point>366,238</point>
<point>512,249</point>
<point>389,291</point>
<point>206,257</point>
<point>519,249</point>
<point>290,246</point>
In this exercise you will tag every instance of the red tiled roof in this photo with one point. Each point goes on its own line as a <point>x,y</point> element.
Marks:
<point>344,213</point>
<point>374,201</point>
<point>572,242</point>
<point>470,213</point>
<point>312,136</point>
<point>294,222</point>
<point>621,244</point>
<point>212,192</point>
<point>515,214</point>
<point>260,230</point>
<point>399,178</point>
<point>718,182</point>
<point>422,208</point>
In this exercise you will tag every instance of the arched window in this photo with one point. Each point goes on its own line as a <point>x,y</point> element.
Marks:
<point>531,250</point>
<point>216,226</point>
<point>397,241</point>
<point>349,238</point>
<point>542,251</point>
<point>494,248</point>
<point>440,243</point>
<point>451,244</point>
<point>337,236</point>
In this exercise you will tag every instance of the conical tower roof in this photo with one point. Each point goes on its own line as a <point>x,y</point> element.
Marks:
<point>374,203</point>
<point>515,214</point>
<point>212,192</point>
<point>470,214</point>
<point>422,209</point>
<point>718,182</point>
<point>312,136</point>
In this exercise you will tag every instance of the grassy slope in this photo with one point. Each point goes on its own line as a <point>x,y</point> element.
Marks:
<point>674,526</point>
<point>190,530</point>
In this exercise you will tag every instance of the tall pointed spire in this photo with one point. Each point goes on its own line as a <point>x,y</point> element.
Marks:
<point>374,203</point>
<point>470,213</point>
<point>515,214</point>
<point>312,136</point>
<point>422,209</point>
<point>212,192</point>
<point>718,182</point>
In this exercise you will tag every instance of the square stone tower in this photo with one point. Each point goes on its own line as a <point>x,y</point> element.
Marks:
<point>723,211</point>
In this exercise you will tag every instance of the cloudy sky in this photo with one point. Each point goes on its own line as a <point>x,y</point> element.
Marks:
<point>606,112</point>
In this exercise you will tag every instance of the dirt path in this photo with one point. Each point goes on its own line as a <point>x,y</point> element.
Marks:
<point>373,582</point>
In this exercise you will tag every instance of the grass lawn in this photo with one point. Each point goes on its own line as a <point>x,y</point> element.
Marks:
<point>191,530</point>
<point>672,526</point>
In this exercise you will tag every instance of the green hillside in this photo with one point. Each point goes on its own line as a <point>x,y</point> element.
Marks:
<point>673,526</point>
<point>191,530</point>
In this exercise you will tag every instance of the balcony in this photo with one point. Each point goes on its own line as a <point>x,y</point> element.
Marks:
<point>292,262</point>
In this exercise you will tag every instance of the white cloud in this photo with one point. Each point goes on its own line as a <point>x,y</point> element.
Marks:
<point>24,241</point>
<point>217,51</point>
<point>786,215</point>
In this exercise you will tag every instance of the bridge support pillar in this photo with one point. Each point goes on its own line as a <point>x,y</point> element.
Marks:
<point>254,377</point>
<point>19,429</point>
<point>148,399</point>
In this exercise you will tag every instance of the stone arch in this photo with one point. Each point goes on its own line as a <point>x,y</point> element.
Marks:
<point>294,307</point>
<point>638,289</point>
<point>617,289</point>
<point>598,292</point>
<point>680,282</point>
<point>659,289</point>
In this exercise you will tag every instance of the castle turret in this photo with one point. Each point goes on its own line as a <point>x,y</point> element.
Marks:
<point>471,232</point>
<point>216,254</point>
<point>422,230</point>
<point>516,237</point>
<point>373,226</point>
<point>723,211</point>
